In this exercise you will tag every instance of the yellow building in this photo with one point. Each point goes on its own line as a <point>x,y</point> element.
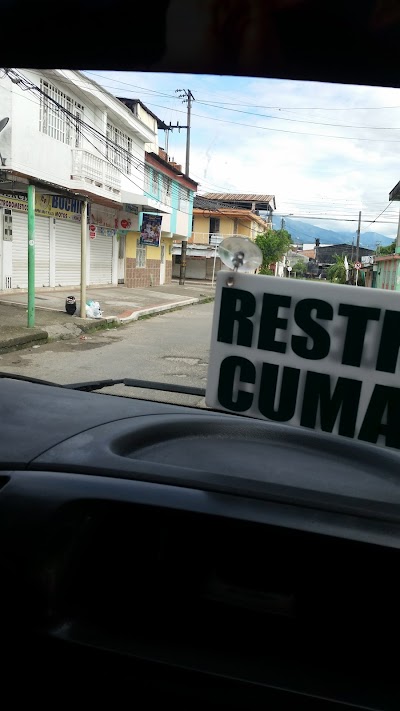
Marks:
<point>225,223</point>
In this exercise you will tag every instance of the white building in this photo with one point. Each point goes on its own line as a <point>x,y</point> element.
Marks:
<point>74,141</point>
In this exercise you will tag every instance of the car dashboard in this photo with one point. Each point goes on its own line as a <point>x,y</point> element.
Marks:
<point>195,556</point>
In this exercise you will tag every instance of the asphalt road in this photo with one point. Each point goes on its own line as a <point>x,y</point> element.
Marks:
<point>171,347</point>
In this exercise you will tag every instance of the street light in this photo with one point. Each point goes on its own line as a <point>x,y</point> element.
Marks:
<point>3,124</point>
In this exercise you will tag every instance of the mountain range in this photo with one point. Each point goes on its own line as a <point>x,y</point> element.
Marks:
<point>303,233</point>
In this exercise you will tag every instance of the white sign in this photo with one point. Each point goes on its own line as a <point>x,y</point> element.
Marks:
<point>215,240</point>
<point>367,259</point>
<point>289,269</point>
<point>357,265</point>
<point>321,356</point>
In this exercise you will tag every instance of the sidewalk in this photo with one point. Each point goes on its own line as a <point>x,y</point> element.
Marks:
<point>118,303</point>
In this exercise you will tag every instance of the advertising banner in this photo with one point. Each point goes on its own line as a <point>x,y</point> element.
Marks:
<point>150,233</point>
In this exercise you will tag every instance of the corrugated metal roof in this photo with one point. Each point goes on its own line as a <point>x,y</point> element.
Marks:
<point>238,197</point>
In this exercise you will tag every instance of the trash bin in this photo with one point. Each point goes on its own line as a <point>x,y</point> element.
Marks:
<point>70,305</point>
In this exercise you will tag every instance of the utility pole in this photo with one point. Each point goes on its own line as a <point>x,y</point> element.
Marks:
<point>83,256</point>
<point>187,98</point>
<point>31,255</point>
<point>171,128</point>
<point>358,238</point>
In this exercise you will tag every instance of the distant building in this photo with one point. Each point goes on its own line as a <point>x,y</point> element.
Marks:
<point>325,256</point>
<point>386,270</point>
<point>217,216</point>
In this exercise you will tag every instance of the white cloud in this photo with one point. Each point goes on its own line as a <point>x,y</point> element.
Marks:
<point>309,174</point>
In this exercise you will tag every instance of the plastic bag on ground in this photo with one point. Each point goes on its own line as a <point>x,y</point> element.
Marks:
<point>93,309</point>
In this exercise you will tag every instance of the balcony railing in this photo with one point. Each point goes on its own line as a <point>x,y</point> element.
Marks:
<point>211,238</point>
<point>93,170</point>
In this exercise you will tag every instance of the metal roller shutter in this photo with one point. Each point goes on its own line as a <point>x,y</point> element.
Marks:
<point>42,251</point>
<point>101,252</point>
<point>20,251</point>
<point>68,253</point>
<point>196,267</point>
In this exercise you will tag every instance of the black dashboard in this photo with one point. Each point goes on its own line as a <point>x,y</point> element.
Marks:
<point>201,557</point>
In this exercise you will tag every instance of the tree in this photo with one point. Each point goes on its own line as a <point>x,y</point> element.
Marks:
<point>273,244</point>
<point>300,268</point>
<point>387,250</point>
<point>337,271</point>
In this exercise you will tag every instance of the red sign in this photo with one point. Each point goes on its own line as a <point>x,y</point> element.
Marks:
<point>357,265</point>
<point>92,231</point>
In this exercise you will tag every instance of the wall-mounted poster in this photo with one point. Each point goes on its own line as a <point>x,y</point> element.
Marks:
<point>150,232</point>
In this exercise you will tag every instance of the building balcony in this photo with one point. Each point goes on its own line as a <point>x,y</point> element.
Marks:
<point>95,173</point>
<point>213,238</point>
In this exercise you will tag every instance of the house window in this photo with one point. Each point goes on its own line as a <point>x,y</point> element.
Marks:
<point>166,190</point>
<point>78,125</point>
<point>215,224</point>
<point>140,255</point>
<point>147,178</point>
<point>183,202</point>
<point>119,153</point>
<point>154,187</point>
<point>53,121</point>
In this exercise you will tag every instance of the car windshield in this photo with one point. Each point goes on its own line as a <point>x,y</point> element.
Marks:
<point>119,188</point>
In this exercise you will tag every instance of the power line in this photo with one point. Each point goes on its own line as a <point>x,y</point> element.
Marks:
<point>282,130</point>
<point>260,106</point>
<point>293,120</point>
<point>26,85</point>
<point>338,219</point>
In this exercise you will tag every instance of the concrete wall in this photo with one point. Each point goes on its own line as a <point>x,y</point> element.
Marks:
<point>150,274</point>
<point>179,222</point>
<point>6,112</point>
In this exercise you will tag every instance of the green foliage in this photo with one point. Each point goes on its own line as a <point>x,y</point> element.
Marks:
<point>387,250</point>
<point>337,271</point>
<point>273,244</point>
<point>299,268</point>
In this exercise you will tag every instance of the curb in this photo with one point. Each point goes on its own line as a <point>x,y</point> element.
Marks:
<point>40,337</point>
<point>135,315</point>
<point>18,342</point>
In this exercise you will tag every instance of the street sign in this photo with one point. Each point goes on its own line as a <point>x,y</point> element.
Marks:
<point>321,356</point>
<point>357,265</point>
<point>289,269</point>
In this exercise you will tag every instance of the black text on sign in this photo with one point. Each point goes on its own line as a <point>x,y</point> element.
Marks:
<point>319,356</point>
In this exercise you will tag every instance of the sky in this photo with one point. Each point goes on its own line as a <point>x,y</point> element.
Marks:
<point>323,150</point>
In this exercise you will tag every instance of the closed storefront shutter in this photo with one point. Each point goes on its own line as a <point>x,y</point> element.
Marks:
<point>196,267</point>
<point>42,251</point>
<point>101,252</point>
<point>68,253</point>
<point>20,251</point>
<point>210,266</point>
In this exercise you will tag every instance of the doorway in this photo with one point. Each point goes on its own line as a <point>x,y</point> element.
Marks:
<point>121,257</point>
<point>162,264</point>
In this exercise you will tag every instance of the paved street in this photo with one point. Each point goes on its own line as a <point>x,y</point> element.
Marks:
<point>171,347</point>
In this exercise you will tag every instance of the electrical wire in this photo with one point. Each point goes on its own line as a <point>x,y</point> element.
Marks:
<point>282,130</point>
<point>126,155</point>
<point>293,120</point>
<point>26,85</point>
<point>260,106</point>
